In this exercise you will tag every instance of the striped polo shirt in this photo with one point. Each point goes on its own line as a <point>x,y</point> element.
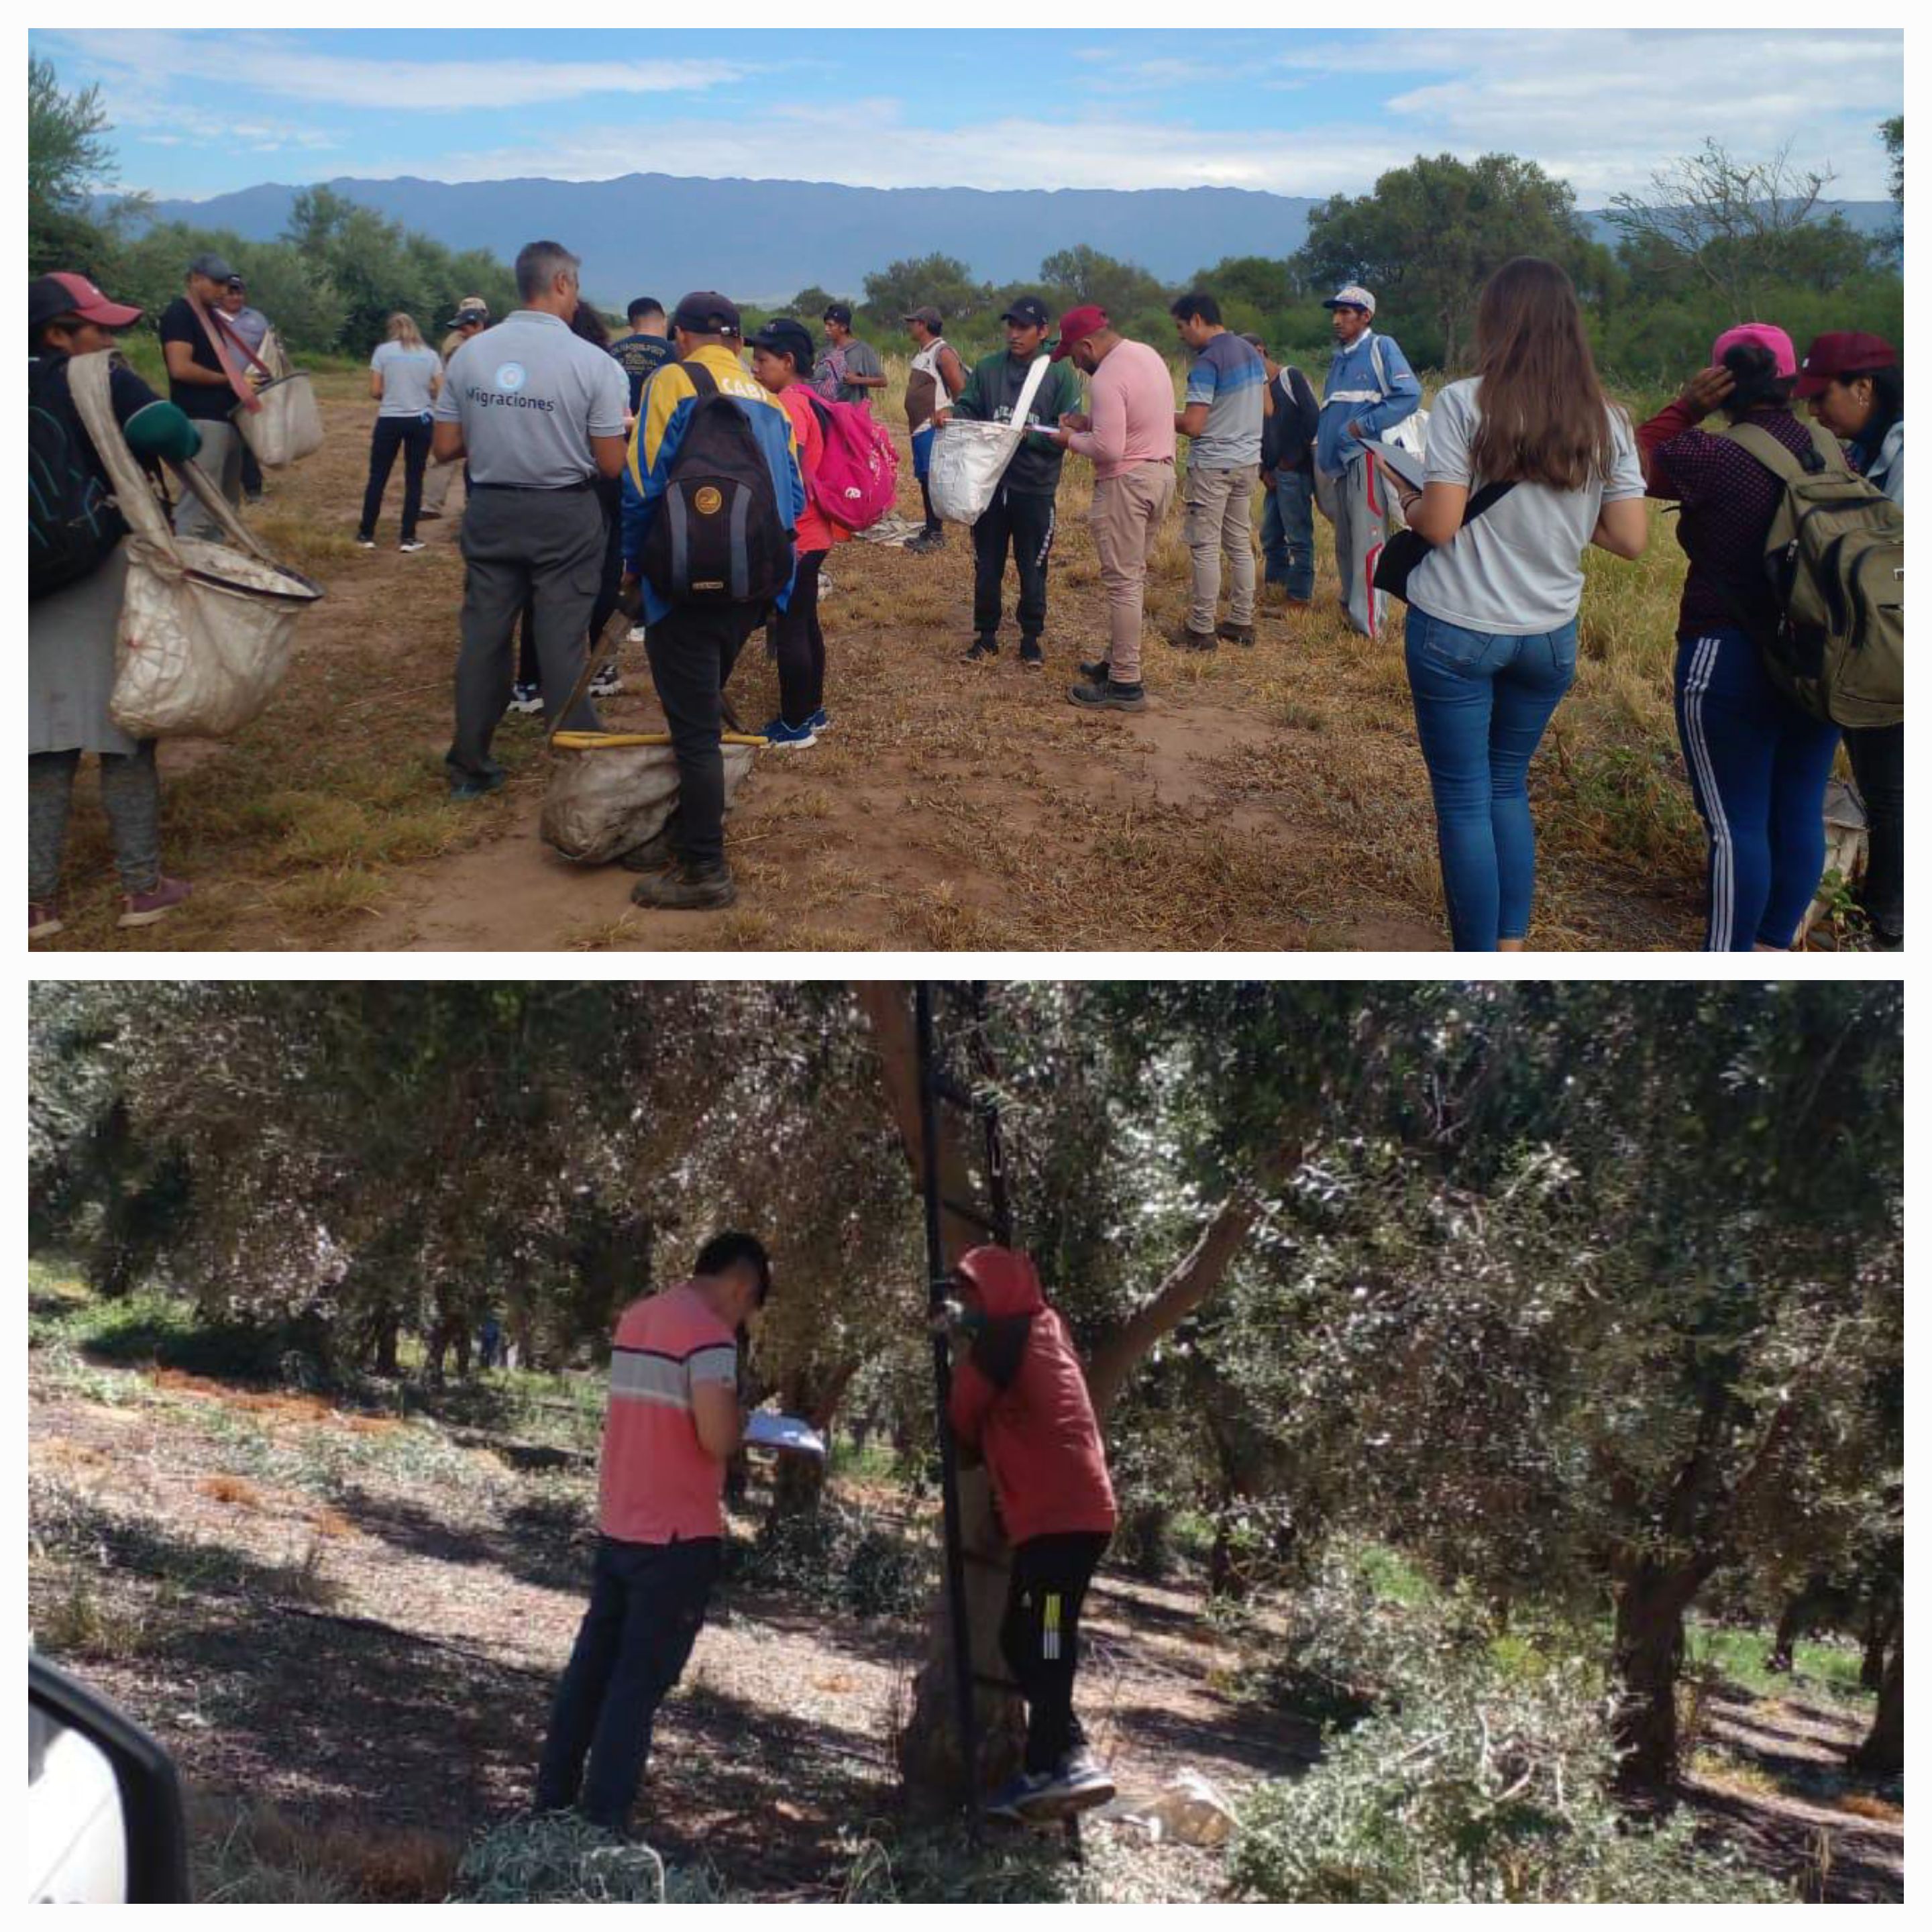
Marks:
<point>656,1484</point>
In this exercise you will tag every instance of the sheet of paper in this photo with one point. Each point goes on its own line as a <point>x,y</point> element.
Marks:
<point>785,1434</point>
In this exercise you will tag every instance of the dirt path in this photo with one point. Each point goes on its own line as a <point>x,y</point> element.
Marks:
<point>386,1660</point>
<point>1270,798</point>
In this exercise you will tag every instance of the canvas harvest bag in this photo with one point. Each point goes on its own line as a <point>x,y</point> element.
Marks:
<point>206,628</point>
<point>969,457</point>
<point>280,421</point>
<point>609,792</point>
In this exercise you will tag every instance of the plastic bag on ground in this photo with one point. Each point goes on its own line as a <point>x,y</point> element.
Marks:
<point>602,803</point>
<point>1189,1811</point>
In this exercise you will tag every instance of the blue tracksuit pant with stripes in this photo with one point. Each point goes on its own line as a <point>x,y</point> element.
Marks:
<point>1758,766</point>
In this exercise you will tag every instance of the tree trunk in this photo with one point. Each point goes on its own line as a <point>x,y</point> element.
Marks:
<point>1790,1628</point>
<point>383,1339</point>
<point>1881,1624</point>
<point>1647,1656</point>
<point>1883,1753</point>
<point>929,1754</point>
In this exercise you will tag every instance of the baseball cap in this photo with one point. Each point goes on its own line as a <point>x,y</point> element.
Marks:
<point>705,312</point>
<point>214,267</point>
<point>238,281</point>
<point>930,315</point>
<point>1758,335</point>
<point>471,308</point>
<point>1842,352</point>
<point>837,312</point>
<point>1029,310</point>
<point>785,335</point>
<point>1076,324</point>
<point>1353,296</point>
<point>49,297</point>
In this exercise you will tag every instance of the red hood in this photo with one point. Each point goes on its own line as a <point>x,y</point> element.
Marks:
<point>1007,1283</point>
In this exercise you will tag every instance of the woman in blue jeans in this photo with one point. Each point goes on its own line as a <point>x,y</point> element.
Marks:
<point>1491,632</point>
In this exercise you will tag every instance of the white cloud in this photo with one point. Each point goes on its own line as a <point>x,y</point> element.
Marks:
<point>278,64</point>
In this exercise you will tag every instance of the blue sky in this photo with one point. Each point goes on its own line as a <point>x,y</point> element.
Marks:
<point>1300,112</point>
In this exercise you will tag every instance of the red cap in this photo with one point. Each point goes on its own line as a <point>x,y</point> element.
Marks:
<point>1844,352</point>
<point>1076,324</point>
<point>81,299</point>
<point>1758,335</point>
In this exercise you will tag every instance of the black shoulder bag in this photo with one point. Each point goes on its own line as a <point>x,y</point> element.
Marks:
<point>1406,549</point>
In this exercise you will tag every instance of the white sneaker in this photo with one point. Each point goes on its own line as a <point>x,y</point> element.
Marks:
<point>607,683</point>
<point>635,634</point>
<point>526,698</point>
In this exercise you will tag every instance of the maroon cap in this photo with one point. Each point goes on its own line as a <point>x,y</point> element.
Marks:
<point>1844,352</point>
<point>1076,324</point>
<point>52,296</point>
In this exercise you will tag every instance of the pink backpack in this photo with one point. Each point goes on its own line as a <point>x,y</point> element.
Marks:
<point>858,478</point>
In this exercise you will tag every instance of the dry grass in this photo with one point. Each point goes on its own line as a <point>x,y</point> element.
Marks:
<point>235,1491</point>
<point>255,1853</point>
<point>1270,798</point>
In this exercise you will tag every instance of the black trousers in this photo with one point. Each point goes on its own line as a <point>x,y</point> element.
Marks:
<point>610,500</point>
<point>1040,1636</point>
<point>251,472</point>
<point>692,653</point>
<point>411,435</point>
<point>647,1604</point>
<point>798,643</point>
<point>1024,524</point>
<point>1878,763</point>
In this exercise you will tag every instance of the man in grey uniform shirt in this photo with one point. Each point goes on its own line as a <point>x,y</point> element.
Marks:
<point>539,412</point>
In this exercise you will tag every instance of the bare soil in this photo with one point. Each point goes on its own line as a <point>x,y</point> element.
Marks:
<point>1269,798</point>
<point>312,1621</point>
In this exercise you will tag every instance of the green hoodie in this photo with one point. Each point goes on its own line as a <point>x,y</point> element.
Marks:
<point>989,395</point>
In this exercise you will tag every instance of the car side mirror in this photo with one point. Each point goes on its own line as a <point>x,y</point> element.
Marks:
<point>104,1822</point>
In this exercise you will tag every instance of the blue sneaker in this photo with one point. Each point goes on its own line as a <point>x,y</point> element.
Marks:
<point>821,719</point>
<point>783,737</point>
<point>1011,1799</point>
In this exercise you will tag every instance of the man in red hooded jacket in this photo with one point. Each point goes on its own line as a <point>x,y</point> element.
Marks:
<point>1019,1398</point>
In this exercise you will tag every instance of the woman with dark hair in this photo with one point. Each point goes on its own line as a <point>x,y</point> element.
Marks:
<point>782,359</point>
<point>527,693</point>
<point>1857,390</point>
<point>1491,625</point>
<point>1758,763</point>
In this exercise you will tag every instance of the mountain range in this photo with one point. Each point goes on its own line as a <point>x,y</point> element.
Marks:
<point>763,240</point>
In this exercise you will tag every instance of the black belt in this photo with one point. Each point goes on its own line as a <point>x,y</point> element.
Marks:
<point>536,489</point>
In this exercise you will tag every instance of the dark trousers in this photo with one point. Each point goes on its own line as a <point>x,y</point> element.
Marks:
<point>647,1603</point>
<point>411,435</point>
<point>518,544</point>
<point>933,527</point>
<point>1878,763</point>
<point>691,652</point>
<point>610,498</point>
<point>1025,524</point>
<point>1039,1637</point>
<point>798,643</point>
<point>251,472</point>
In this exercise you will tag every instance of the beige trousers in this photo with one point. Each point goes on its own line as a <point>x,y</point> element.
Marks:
<point>1220,522</point>
<point>1125,520</point>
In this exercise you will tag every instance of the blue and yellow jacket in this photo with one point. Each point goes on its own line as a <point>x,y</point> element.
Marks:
<point>667,399</point>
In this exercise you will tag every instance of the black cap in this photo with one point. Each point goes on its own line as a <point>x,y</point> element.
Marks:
<point>705,312</point>
<point>213,266</point>
<point>786,335</point>
<point>839,313</point>
<point>238,281</point>
<point>1029,310</point>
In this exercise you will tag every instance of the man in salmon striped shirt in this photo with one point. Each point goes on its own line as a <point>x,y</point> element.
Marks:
<point>672,1422</point>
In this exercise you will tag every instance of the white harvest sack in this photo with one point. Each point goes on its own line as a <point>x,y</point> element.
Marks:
<point>206,629</point>
<point>969,458</point>
<point>287,427</point>
<point>607,794</point>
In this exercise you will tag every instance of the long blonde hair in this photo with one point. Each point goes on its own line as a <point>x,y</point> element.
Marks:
<point>403,329</point>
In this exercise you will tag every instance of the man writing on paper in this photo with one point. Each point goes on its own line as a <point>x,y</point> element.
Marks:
<point>673,1423</point>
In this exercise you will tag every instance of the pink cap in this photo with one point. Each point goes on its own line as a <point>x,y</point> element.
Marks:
<point>1758,335</point>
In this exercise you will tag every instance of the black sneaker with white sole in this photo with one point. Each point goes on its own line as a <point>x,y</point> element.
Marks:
<point>982,649</point>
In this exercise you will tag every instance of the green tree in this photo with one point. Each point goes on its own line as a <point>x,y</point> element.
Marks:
<point>943,280</point>
<point>1431,234</point>
<point>69,160</point>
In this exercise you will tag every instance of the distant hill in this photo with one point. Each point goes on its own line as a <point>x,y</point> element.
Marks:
<point>763,240</point>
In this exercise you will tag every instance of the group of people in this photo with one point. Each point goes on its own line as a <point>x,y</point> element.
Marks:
<point>1019,1402</point>
<point>569,442</point>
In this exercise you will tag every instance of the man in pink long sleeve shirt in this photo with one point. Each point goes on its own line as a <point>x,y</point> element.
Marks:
<point>1130,436</point>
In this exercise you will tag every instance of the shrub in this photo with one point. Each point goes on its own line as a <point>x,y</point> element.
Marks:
<point>560,1858</point>
<point>841,1555</point>
<point>1479,1787</point>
